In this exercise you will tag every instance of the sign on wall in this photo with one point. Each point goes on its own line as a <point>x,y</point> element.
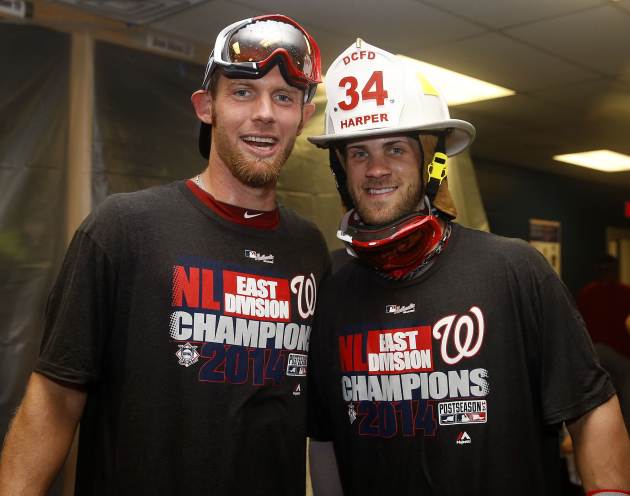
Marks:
<point>544,235</point>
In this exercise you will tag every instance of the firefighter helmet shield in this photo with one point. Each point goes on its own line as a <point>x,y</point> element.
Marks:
<point>373,92</point>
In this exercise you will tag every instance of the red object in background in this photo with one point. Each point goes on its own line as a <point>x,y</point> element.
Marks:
<point>626,211</point>
<point>607,492</point>
<point>605,305</point>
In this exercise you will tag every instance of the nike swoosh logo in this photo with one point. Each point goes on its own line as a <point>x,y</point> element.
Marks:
<point>247,215</point>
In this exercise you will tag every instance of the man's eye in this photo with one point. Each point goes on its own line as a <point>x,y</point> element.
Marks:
<point>358,154</point>
<point>284,98</point>
<point>396,150</point>
<point>241,92</point>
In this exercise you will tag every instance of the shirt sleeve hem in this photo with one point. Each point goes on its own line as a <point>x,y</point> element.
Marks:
<point>64,374</point>
<point>577,410</point>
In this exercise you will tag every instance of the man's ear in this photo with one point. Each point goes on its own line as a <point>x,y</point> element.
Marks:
<point>307,112</point>
<point>202,101</point>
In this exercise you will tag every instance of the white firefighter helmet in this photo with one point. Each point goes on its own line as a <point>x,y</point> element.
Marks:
<point>372,92</point>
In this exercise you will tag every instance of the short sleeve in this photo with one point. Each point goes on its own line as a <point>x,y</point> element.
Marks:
<point>573,381</point>
<point>79,310</point>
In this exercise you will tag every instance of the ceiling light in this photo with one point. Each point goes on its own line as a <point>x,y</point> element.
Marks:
<point>602,160</point>
<point>457,88</point>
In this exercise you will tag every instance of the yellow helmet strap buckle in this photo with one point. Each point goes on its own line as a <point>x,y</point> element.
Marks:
<point>437,169</point>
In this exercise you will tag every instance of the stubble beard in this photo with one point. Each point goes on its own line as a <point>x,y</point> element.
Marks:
<point>376,215</point>
<point>252,172</point>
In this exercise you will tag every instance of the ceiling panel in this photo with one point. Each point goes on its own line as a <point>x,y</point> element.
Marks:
<point>597,38</point>
<point>498,14</point>
<point>584,95</point>
<point>500,60</point>
<point>524,112</point>
<point>401,23</point>
<point>514,152</point>
<point>204,22</point>
<point>132,11</point>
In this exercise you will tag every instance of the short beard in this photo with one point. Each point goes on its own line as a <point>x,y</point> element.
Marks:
<point>255,173</point>
<point>408,203</point>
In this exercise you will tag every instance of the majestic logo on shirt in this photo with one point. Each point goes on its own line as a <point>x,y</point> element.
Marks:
<point>298,390</point>
<point>306,291</point>
<point>296,365</point>
<point>187,355</point>
<point>400,309</point>
<point>463,438</point>
<point>464,333</point>
<point>463,412</point>
<point>258,257</point>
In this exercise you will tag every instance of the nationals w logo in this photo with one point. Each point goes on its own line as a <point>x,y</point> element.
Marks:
<point>306,291</point>
<point>464,333</point>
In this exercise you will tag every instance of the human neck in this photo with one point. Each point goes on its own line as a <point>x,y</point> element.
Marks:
<point>224,187</point>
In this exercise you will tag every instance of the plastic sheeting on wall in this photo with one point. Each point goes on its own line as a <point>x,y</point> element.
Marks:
<point>462,184</point>
<point>145,128</point>
<point>33,157</point>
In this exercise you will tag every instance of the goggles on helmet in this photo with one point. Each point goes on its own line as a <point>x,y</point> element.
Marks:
<point>396,248</point>
<point>251,47</point>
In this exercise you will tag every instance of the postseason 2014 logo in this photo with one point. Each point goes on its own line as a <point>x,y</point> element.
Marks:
<point>463,412</point>
<point>296,365</point>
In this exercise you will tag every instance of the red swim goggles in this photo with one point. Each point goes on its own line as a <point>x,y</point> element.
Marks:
<point>251,47</point>
<point>395,249</point>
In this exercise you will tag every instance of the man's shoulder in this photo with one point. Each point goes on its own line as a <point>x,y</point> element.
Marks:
<point>121,216</point>
<point>144,199</point>
<point>352,274</point>
<point>491,240</point>
<point>495,244</point>
<point>498,250</point>
<point>293,219</point>
<point>133,204</point>
<point>300,227</point>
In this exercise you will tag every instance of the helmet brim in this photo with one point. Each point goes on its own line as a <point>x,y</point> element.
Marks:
<point>461,136</point>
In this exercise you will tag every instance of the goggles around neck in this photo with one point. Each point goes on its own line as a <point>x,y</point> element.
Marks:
<point>251,47</point>
<point>395,249</point>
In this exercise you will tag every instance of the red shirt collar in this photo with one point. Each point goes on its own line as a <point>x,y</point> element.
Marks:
<point>258,219</point>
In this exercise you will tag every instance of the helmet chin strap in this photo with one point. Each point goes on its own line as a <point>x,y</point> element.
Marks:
<point>437,168</point>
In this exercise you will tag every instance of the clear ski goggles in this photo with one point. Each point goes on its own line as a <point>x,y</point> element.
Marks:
<point>395,248</point>
<point>251,47</point>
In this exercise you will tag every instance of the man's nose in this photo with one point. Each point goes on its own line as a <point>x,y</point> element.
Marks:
<point>377,166</point>
<point>263,109</point>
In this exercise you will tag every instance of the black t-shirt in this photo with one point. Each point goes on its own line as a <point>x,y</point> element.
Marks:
<point>453,383</point>
<point>191,335</point>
